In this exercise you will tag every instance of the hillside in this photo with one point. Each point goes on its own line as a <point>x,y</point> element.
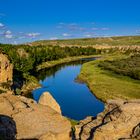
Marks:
<point>96,42</point>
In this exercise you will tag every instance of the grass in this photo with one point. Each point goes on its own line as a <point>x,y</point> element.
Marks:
<point>61,61</point>
<point>106,84</point>
<point>128,67</point>
<point>73,122</point>
<point>105,41</point>
<point>31,84</point>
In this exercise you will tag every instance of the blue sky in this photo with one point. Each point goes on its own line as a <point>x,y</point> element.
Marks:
<point>29,20</point>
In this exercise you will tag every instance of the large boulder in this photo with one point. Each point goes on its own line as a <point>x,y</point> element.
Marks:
<point>31,120</point>
<point>48,100</point>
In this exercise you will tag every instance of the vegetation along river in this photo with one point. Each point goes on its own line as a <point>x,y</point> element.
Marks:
<point>75,99</point>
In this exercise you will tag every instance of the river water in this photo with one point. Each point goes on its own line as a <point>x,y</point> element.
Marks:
<point>75,99</point>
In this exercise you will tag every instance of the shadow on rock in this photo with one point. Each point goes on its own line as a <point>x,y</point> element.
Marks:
<point>7,128</point>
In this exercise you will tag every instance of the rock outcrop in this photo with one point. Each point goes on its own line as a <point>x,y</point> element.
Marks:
<point>6,69</point>
<point>119,121</point>
<point>47,99</point>
<point>23,118</point>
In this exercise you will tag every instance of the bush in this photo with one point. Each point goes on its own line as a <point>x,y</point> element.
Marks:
<point>127,67</point>
<point>18,91</point>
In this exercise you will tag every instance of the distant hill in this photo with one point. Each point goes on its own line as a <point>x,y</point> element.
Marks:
<point>94,42</point>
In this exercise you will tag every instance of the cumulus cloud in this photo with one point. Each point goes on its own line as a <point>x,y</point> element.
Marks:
<point>66,35</point>
<point>8,34</point>
<point>88,35</point>
<point>33,35</point>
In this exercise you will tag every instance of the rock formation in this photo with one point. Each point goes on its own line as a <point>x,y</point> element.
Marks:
<point>23,118</point>
<point>119,121</point>
<point>47,99</point>
<point>6,69</point>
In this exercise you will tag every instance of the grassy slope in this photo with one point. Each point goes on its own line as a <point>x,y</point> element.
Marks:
<point>107,85</point>
<point>61,61</point>
<point>110,41</point>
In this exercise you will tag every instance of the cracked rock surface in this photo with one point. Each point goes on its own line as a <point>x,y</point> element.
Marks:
<point>119,121</point>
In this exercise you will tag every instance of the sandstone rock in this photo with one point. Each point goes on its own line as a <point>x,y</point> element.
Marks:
<point>51,136</point>
<point>32,120</point>
<point>48,136</point>
<point>119,121</point>
<point>6,69</point>
<point>47,99</point>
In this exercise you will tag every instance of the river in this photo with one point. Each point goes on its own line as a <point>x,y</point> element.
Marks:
<point>75,99</point>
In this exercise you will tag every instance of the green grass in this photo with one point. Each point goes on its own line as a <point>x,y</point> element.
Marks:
<point>73,122</point>
<point>61,61</point>
<point>108,85</point>
<point>128,66</point>
<point>111,41</point>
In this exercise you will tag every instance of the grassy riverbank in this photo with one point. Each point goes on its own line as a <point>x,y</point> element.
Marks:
<point>49,64</point>
<point>106,84</point>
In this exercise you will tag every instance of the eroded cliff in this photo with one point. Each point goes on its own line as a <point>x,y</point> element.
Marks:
<point>6,69</point>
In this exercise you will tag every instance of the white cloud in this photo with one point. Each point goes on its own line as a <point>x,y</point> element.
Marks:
<point>88,35</point>
<point>8,36</point>
<point>1,25</point>
<point>66,35</point>
<point>8,32</point>
<point>33,35</point>
<point>15,42</point>
<point>54,38</point>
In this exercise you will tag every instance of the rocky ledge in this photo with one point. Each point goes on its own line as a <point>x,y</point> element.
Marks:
<point>23,118</point>
<point>119,121</point>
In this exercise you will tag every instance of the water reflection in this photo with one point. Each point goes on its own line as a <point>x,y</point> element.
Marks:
<point>75,99</point>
